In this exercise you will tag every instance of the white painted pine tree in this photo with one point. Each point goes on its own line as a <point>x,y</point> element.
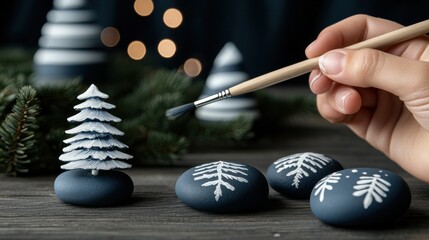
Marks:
<point>301,164</point>
<point>221,172</point>
<point>94,145</point>
<point>373,187</point>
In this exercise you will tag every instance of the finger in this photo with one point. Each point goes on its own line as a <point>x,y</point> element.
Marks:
<point>372,68</point>
<point>349,31</point>
<point>344,99</point>
<point>418,50</point>
<point>319,83</point>
<point>357,122</point>
<point>327,111</point>
<point>360,121</point>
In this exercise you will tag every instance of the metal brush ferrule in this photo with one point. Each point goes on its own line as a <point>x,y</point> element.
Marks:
<point>213,98</point>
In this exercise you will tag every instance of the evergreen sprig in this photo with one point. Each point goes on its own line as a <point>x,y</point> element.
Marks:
<point>233,132</point>
<point>17,133</point>
<point>154,138</point>
<point>56,103</point>
<point>9,86</point>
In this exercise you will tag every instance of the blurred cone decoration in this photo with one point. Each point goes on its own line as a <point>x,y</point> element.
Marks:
<point>226,72</point>
<point>70,45</point>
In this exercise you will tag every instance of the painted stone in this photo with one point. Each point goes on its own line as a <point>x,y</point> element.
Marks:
<point>80,187</point>
<point>70,44</point>
<point>295,175</point>
<point>223,187</point>
<point>94,150</point>
<point>226,72</point>
<point>360,197</point>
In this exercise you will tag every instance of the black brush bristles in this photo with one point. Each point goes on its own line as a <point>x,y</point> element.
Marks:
<point>176,112</point>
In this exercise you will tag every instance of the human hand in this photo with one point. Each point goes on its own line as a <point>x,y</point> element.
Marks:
<point>382,96</point>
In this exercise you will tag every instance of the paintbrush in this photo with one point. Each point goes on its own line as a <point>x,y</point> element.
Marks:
<point>299,68</point>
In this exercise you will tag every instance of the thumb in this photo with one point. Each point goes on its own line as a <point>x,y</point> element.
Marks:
<point>373,68</point>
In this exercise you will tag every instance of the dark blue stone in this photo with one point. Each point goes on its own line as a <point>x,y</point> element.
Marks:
<point>295,175</point>
<point>360,197</point>
<point>80,187</point>
<point>223,187</point>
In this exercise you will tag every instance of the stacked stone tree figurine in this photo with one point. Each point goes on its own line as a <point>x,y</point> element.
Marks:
<point>226,72</point>
<point>70,45</point>
<point>91,155</point>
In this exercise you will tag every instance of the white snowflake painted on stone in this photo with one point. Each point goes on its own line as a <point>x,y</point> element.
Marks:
<point>323,185</point>
<point>301,163</point>
<point>373,187</point>
<point>221,172</point>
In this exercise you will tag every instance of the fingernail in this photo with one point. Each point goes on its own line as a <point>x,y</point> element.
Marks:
<point>341,101</point>
<point>332,63</point>
<point>310,45</point>
<point>316,77</point>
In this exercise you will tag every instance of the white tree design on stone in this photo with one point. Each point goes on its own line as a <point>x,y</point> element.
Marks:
<point>94,145</point>
<point>302,163</point>
<point>221,171</point>
<point>324,185</point>
<point>373,188</point>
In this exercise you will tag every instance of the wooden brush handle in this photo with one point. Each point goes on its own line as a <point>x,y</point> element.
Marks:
<point>306,66</point>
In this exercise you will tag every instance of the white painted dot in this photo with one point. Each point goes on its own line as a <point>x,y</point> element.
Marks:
<point>277,235</point>
<point>347,176</point>
<point>364,173</point>
<point>354,171</point>
<point>377,175</point>
<point>386,174</point>
<point>380,171</point>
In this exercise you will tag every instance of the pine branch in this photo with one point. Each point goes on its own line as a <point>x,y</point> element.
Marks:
<point>56,102</point>
<point>15,81</point>
<point>152,136</point>
<point>17,133</point>
<point>163,147</point>
<point>275,111</point>
<point>235,131</point>
<point>173,87</point>
<point>9,86</point>
<point>7,96</point>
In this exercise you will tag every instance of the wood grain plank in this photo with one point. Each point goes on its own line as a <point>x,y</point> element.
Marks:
<point>30,210</point>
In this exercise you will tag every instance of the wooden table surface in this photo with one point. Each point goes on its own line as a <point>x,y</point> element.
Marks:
<point>29,208</point>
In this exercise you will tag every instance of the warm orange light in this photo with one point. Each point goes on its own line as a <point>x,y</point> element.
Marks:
<point>143,7</point>
<point>172,18</point>
<point>136,50</point>
<point>166,48</point>
<point>110,36</point>
<point>192,67</point>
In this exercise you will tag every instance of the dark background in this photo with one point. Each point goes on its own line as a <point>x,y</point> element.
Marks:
<point>270,33</point>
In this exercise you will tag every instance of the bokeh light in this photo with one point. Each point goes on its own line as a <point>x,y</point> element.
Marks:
<point>143,7</point>
<point>172,18</point>
<point>136,50</point>
<point>110,36</point>
<point>166,48</point>
<point>192,67</point>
